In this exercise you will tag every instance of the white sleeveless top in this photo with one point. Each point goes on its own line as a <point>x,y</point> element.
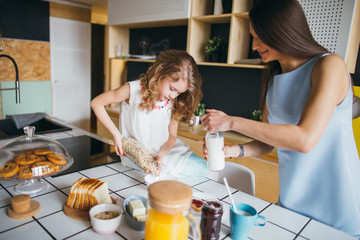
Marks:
<point>151,129</point>
<point>323,184</point>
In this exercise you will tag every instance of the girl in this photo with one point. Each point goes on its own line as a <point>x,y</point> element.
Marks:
<point>151,109</point>
<point>307,114</point>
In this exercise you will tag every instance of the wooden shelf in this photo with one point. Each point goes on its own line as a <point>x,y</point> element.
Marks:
<point>231,65</point>
<point>222,18</point>
<point>165,23</point>
<point>199,63</point>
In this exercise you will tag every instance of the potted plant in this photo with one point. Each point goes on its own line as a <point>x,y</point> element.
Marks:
<point>256,115</point>
<point>199,111</point>
<point>216,48</point>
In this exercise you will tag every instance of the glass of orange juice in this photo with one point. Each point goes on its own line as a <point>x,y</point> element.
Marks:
<point>168,212</point>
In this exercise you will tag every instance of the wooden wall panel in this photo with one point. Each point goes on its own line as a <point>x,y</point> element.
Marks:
<point>32,58</point>
<point>70,12</point>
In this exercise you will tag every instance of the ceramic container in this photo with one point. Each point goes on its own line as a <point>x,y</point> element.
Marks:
<point>106,226</point>
<point>137,225</point>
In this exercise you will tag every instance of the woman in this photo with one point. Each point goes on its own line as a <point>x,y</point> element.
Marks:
<point>307,114</point>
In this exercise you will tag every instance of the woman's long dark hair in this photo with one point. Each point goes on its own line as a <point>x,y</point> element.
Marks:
<point>282,25</point>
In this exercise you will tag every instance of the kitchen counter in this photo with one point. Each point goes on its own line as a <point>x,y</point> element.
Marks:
<point>52,223</point>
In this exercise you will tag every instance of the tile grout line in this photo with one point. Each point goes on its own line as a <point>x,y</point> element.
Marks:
<point>298,234</point>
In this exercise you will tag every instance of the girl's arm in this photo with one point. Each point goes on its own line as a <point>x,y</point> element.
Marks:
<point>98,105</point>
<point>330,83</point>
<point>169,144</point>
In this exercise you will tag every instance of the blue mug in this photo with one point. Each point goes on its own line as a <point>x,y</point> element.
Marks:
<point>242,222</point>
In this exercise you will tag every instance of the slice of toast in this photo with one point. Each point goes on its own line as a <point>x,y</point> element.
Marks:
<point>86,194</point>
<point>92,199</point>
<point>101,193</point>
<point>72,195</point>
<point>80,198</point>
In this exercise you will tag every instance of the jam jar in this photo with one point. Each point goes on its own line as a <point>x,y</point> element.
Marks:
<point>210,223</point>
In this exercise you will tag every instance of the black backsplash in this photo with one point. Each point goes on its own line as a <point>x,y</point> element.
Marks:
<point>24,19</point>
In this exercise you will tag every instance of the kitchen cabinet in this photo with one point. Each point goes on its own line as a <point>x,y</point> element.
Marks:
<point>343,42</point>
<point>199,30</point>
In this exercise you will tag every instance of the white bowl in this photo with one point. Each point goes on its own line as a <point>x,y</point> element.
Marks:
<point>150,179</point>
<point>105,226</point>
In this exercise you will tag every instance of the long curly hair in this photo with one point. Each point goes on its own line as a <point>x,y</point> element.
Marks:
<point>175,65</point>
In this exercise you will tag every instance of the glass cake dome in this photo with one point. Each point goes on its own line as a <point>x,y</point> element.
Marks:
<point>31,157</point>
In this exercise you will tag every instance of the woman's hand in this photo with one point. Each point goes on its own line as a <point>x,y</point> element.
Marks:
<point>215,120</point>
<point>205,151</point>
<point>229,151</point>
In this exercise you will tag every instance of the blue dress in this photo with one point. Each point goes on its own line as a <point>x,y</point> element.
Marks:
<point>323,184</point>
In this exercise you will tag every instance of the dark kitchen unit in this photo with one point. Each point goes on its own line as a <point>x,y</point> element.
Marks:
<point>9,130</point>
<point>87,152</point>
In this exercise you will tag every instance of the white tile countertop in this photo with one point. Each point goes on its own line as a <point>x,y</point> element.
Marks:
<point>51,222</point>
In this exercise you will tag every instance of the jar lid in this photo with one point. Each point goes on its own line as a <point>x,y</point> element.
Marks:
<point>170,197</point>
<point>212,206</point>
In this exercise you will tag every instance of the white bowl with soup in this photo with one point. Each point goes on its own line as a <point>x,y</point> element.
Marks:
<point>105,218</point>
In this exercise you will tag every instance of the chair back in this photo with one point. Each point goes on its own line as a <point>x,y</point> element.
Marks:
<point>238,176</point>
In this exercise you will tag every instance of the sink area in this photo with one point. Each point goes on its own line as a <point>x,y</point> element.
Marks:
<point>8,129</point>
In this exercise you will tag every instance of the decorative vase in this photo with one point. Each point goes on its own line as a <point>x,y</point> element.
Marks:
<point>215,57</point>
<point>218,8</point>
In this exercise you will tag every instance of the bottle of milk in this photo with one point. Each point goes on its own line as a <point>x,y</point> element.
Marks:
<point>214,145</point>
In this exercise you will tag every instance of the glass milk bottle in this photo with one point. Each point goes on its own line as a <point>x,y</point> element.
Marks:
<point>216,156</point>
<point>168,212</point>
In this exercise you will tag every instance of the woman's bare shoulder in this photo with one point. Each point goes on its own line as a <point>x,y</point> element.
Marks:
<point>330,62</point>
<point>330,65</point>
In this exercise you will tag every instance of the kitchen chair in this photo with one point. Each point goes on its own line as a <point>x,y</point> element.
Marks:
<point>237,175</point>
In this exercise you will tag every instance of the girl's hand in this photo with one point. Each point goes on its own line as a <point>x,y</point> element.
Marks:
<point>215,120</point>
<point>159,159</point>
<point>118,145</point>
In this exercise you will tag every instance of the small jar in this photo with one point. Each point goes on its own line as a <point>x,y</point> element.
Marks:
<point>216,156</point>
<point>210,223</point>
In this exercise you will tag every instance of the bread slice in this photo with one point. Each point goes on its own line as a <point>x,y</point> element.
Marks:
<point>101,193</point>
<point>92,199</point>
<point>86,193</point>
<point>80,195</point>
<point>88,201</point>
<point>72,196</point>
